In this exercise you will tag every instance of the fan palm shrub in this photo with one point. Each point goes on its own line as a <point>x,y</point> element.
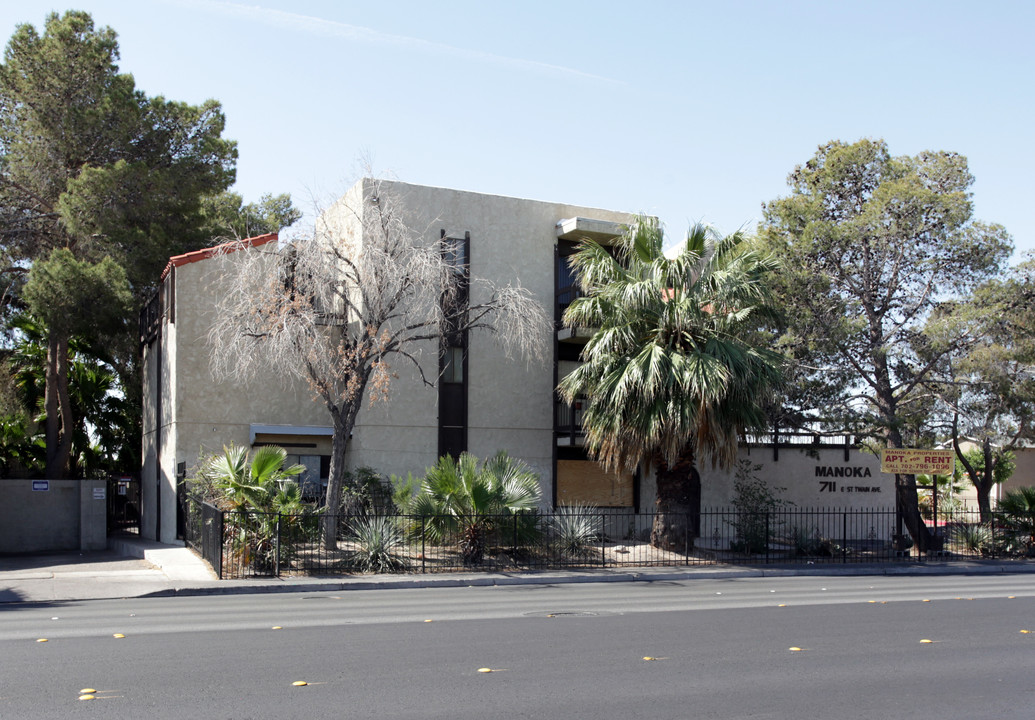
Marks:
<point>261,493</point>
<point>1018,512</point>
<point>468,501</point>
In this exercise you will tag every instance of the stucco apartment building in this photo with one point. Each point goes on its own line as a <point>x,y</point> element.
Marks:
<point>487,403</point>
<point>491,403</point>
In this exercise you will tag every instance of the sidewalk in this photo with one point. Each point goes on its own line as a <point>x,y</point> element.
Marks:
<point>134,568</point>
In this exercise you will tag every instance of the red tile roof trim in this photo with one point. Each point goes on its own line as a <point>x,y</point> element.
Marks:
<point>206,253</point>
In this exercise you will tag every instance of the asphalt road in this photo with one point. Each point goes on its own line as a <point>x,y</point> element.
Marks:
<point>720,649</point>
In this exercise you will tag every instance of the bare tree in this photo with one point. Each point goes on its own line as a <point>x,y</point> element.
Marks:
<point>339,306</point>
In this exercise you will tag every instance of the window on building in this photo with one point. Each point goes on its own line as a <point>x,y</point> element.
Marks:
<point>453,365</point>
<point>454,252</point>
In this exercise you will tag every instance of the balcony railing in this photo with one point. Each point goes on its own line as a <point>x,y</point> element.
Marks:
<point>568,422</point>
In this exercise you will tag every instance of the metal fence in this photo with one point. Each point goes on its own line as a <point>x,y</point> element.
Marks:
<point>253,544</point>
<point>204,531</point>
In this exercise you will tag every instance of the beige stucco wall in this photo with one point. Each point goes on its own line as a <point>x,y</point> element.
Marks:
<point>1024,473</point>
<point>810,478</point>
<point>800,475</point>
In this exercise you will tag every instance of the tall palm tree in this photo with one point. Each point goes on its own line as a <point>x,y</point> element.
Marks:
<point>100,410</point>
<point>670,374</point>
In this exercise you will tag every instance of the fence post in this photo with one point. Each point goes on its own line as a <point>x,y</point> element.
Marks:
<point>276,557</point>
<point>844,537</point>
<point>219,539</point>
<point>766,539</point>
<point>603,555</point>
<point>423,556</point>
<point>514,541</point>
<point>686,541</point>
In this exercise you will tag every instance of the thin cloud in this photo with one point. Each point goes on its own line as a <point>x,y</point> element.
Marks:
<point>333,28</point>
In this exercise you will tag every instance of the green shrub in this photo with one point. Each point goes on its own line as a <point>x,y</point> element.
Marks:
<point>575,528</point>
<point>366,492</point>
<point>977,539</point>
<point>469,503</point>
<point>376,538</point>
<point>808,542</point>
<point>263,499</point>
<point>404,489</point>
<point>755,502</point>
<point>1018,512</point>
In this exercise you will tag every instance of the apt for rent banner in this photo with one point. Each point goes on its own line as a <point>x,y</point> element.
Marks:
<point>915,462</point>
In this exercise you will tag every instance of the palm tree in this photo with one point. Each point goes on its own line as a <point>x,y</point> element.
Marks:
<point>262,496</point>
<point>102,434</point>
<point>1018,512</point>
<point>670,374</point>
<point>260,484</point>
<point>461,497</point>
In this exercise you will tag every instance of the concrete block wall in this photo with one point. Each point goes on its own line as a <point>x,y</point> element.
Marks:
<point>49,515</point>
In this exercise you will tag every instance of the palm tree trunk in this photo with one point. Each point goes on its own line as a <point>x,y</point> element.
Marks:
<point>678,518</point>
<point>58,409</point>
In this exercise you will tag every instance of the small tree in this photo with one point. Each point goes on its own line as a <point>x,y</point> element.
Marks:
<point>338,307</point>
<point>989,387</point>
<point>754,501</point>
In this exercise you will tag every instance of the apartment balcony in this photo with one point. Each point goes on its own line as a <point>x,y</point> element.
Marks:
<point>569,233</point>
<point>577,336</point>
<point>567,428</point>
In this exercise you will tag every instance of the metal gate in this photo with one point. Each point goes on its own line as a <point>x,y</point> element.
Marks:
<point>124,504</point>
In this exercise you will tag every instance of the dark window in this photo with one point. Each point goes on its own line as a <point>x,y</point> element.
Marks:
<point>453,365</point>
<point>454,252</point>
<point>452,387</point>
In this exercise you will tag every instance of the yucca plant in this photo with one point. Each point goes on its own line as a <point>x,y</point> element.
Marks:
<point>467,501</point>
<point>377,539</point>
<point>973,538</point>
<point>575,528</point>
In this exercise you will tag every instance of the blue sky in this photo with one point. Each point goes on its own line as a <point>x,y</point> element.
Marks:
<point>686,110</point>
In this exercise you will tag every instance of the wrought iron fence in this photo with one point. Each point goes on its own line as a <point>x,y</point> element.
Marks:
<point>252,544</point>
<point>204,532</point>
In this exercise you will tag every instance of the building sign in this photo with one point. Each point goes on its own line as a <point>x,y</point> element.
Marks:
<point>912,462</point>
<point>40,485</point>
<point>98,493</point>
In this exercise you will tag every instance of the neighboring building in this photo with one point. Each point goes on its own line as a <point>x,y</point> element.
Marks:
<point>483,403</point>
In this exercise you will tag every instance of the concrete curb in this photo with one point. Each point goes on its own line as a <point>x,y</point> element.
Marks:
<point>178,571</point>
<point>235,587</point>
